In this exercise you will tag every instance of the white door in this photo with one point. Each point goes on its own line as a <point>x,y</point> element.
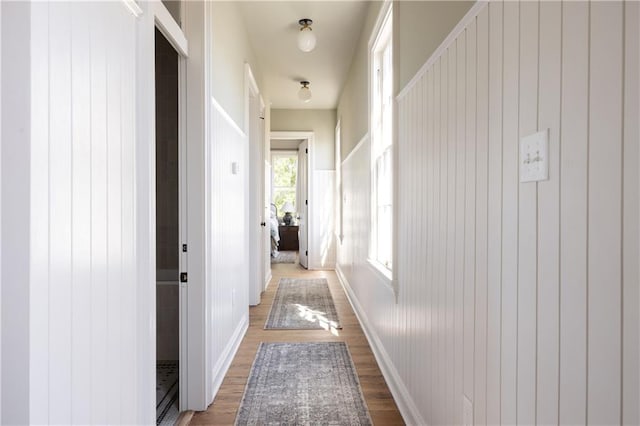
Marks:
<point>303,203</point>
<point>257,220</point>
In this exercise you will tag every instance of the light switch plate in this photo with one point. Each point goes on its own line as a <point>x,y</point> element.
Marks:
<point>534,157</point>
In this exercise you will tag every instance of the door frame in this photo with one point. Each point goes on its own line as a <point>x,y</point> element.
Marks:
<point>166,24</point>
<point>255,214</point>
<point>309,137</point>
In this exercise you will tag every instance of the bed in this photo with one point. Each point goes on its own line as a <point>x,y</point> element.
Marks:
<point>275,233</point>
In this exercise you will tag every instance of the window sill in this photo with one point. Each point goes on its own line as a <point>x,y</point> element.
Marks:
<point>383,273</point>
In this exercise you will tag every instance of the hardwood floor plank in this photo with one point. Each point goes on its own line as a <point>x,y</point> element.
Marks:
<point>382,407</point>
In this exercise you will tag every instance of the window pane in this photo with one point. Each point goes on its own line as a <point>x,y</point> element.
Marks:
<point>382,104</point>
<point>281,196</point>
<point>285,171</point>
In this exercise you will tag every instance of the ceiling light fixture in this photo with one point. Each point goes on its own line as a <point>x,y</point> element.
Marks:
<point>306,37</point>
<point>304,94</point>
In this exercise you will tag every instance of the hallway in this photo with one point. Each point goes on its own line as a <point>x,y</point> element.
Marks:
<point>382,407</point>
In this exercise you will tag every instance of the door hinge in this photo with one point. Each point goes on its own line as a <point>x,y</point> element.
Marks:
<point>183,277</point>
<point>306,202</point>
<point>184,248</point>
<point>306,253</point>
<point>306,150</point>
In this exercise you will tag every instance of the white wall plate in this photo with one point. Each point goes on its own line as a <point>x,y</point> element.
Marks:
<point>534,157</point>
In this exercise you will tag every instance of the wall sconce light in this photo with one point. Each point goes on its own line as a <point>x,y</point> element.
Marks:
<point>304,94</point>
<point>306,37</point>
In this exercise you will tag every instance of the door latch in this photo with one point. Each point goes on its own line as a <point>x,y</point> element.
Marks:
<point>183,277</point>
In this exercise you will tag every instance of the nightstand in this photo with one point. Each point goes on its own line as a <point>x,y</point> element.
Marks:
<point>288,238</point>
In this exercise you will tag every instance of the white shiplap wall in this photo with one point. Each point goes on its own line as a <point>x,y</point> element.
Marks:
<point>523,298</point>
<point>227,275</point>
<point>83,312</point>
<point>322,249</point>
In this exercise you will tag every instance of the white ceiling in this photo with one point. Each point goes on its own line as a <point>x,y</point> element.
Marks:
<point>273,28</point>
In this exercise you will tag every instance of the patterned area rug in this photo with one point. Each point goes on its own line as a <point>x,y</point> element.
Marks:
<point>303,304</point>
<point>285,257</point>
<point>303,384</point>
<point>167,393</point>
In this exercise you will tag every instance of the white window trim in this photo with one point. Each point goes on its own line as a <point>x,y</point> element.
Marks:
<point>385,16</point>
<point>282,153</point>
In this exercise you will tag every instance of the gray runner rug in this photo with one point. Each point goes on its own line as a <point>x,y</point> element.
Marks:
<point>303,384</point>
<point>303,304</point>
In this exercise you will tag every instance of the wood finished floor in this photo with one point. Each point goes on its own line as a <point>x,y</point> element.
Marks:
<point>381,405</point>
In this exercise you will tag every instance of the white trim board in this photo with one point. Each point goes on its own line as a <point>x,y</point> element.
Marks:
<point>227,117</point>
<point>169,28</point>
<point>401,394</point>
<point>359,145</point>
<point>133,7</point>
<point>309,136</point>
<point>457,30</point>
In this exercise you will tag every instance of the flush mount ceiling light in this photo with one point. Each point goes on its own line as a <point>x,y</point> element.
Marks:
<point>306,37</point>
<point>304,94</point>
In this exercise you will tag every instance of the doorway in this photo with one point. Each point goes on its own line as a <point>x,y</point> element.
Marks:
<point>168,230</point>
<point>290,201</point>
<point>285,201</point>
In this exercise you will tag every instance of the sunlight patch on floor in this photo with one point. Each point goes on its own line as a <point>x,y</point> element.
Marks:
<point>317,316</point>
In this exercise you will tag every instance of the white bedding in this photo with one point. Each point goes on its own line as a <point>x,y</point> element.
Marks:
<point>275,233</point>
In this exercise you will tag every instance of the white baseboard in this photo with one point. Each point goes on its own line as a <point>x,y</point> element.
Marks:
<point>267,281</point>
<point>223,364</point>
<point>406,405</point>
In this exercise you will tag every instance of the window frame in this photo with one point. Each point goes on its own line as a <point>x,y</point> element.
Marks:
<point>382,136</point>
<point>284,154</point>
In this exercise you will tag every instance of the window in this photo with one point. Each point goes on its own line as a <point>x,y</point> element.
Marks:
<point>285,175</point>
<point>381,145</point>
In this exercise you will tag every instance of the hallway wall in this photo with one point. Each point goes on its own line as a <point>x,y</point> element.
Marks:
<point>71,311</point>
<point>518,302</point>
<point>227,201</point>
<point>322,245</point>
<point>320,121</point>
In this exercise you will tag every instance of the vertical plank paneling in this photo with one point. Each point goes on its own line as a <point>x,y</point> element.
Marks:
<point>451,238</point>
<point>431,238</point>
<point>604,220</point>
<point>128,393</point>
<point>460,182</point>
<point>437,236</point>
<point>99,265</point>
<point>60,215</point>
<point>411,212</point>
<point>494,271</point>
<point>527,224</point>
<point>510,212</point>
<point>631,220</point>
<point>469,212</point>
<point>40,203</point>
<point>444,228</point>
<point>114,223</point>
<point>81,214</point>
<point>411,187</point>
<point>494,243</point>
<point>482,110</point>
<point>573,212</point>
<point>422,271</point>
<point>549,216</point>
